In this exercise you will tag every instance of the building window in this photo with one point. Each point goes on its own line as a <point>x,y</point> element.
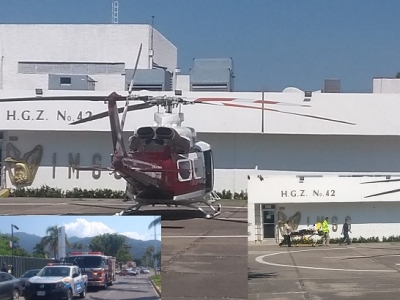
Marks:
<point>65,80</point>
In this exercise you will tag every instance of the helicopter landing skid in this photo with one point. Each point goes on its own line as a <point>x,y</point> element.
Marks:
<point>131,209</point>
<point>216,211</point>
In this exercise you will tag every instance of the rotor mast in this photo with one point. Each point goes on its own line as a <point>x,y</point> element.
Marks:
<point>169,118</point>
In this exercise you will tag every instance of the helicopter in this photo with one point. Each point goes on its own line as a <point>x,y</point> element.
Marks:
<point>163,164</point>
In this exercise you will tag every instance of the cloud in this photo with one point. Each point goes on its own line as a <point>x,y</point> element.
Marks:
<point>83,228</point>
<point>135,235</point>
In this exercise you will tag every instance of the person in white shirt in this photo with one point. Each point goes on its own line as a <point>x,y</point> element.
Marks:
<point>287,230</point>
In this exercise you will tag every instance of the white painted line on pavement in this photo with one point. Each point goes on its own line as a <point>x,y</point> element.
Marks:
<point>284,293</point>
<point>260,260</point>
<point>359,256</point>
<point>108,293</point>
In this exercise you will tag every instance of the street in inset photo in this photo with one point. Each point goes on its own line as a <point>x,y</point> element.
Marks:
<point>97,257</point>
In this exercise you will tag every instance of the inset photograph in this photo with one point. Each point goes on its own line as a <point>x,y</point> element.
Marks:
<point>323,237</point>
<point>94,257</point>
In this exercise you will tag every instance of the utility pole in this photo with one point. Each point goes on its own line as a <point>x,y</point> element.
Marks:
<point>151,51</point>
<point>12,247</point>
<point>155,248</point>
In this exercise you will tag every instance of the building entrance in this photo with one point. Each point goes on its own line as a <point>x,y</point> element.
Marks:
<point>269,221</point>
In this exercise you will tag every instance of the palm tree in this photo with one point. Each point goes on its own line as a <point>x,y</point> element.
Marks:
<point>40,251</point>
<point>51,239</point>
<point>157,221</point>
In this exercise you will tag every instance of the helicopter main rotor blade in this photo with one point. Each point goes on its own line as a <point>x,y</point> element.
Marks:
<point>124,114</point>
<point>105,113</point>
<point>134,70</point>
<point>57,98</point>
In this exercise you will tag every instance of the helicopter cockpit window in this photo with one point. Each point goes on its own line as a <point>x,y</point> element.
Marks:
<point>198,168</point>
<point>184,170</point>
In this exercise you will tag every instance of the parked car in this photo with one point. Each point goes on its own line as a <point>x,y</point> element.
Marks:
<point>132,272</point>
<point>124,272</point>
<point>28,274</point>
<point>10,287</point>
<point>144,271</point>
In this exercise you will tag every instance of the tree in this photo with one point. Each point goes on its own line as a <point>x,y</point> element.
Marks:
<point>5,246</point>
<point>398,75</point>
<point>123,256</point>
<point>147,258</point>
<point>157,221</point>
<point>51,239</point>
<point>40,251</point>
<point>107,243</point>
<point>158,257</point>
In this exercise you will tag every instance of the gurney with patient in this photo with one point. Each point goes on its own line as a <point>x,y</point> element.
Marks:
<point>308,235</point>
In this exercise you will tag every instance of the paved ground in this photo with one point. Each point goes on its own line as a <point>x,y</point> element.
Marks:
<point>125,288</point>
<point>359,271</point>
<point>201,259</point>
<point>206,259</point>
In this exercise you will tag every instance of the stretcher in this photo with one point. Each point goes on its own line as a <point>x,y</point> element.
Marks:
<point>307,236</point>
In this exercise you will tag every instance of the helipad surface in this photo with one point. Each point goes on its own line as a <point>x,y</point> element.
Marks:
<point>359,271</point>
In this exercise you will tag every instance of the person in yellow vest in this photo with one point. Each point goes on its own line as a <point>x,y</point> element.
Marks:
<point>325,230</point>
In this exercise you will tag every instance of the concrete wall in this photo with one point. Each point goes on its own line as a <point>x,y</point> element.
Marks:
<point>62,145</point>
<point>284,113</point>
<point>367,219</point>
<point>78,43</point>
<point>386,85</point>
<point>371,202</point>
<point>235,155</point>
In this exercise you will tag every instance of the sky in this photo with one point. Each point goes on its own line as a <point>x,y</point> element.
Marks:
<point>83,226</point>
<point>274,44</point>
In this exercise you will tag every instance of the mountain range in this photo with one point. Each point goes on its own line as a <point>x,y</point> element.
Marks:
<point>28,242</point>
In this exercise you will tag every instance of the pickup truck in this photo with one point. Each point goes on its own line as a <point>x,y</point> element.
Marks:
<point>57,281</point>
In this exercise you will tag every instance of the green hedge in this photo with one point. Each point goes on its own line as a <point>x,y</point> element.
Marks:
<point>360,239</point>
<point>48,192</point>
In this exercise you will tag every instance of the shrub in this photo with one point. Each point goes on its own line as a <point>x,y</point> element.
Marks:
<point>48,192</point>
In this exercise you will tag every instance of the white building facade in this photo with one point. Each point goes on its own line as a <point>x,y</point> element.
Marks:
<point>291,133</point>
<point>372,204</point>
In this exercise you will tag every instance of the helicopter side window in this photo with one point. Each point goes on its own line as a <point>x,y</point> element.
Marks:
<point>184,170</point>
<point>198,168</point>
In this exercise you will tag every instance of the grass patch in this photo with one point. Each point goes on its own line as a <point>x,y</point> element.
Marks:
<point>157,280</point>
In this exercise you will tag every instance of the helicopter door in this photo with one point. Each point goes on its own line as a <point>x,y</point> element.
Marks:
<point>209,166</point>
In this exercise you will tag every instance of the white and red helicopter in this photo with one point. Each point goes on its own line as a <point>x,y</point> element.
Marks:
<point>165,163</point>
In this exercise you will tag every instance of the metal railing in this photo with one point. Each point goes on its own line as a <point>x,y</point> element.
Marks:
<point>23,264</point>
